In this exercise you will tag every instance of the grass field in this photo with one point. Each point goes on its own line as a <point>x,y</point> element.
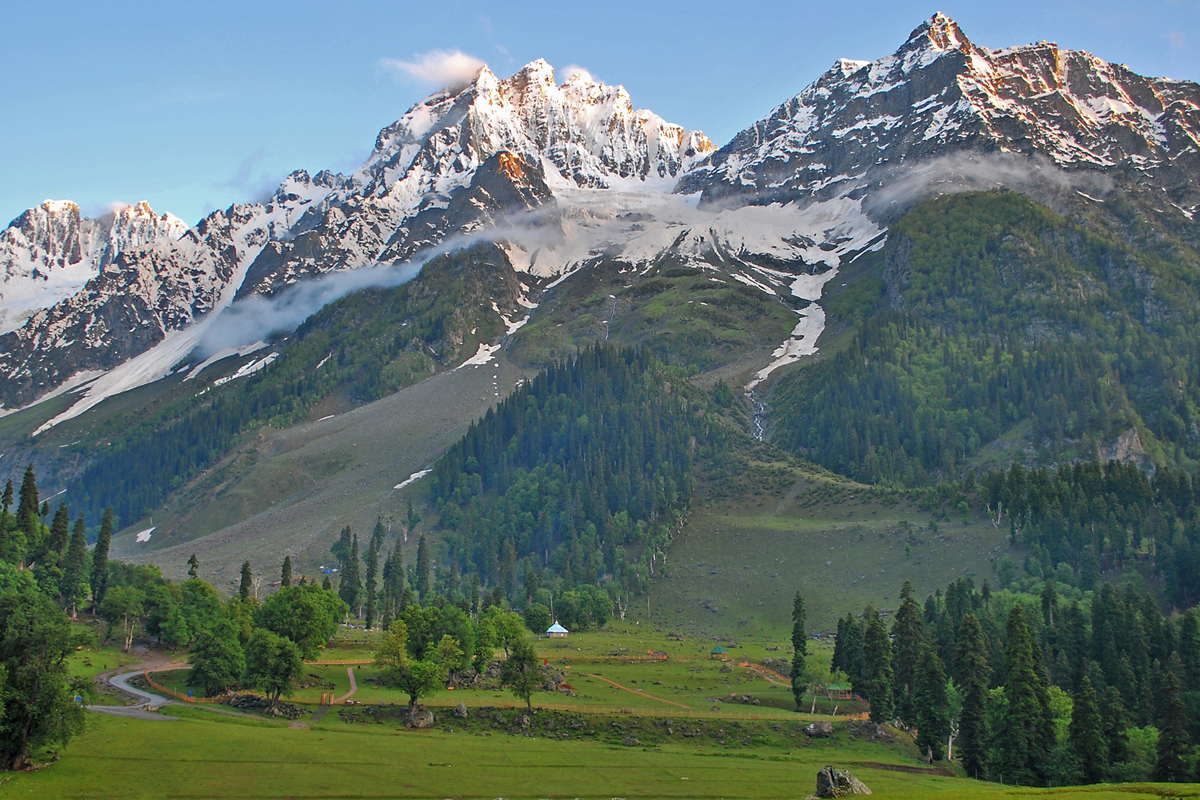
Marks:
<point>740,561</point>
<point>208,755</point>
<point>606,742</point>
<point>609,671</point>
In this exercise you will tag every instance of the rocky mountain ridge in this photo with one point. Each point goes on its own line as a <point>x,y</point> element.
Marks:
<point>563,176</point>
<point>49,252</point>
<point>858,127</point>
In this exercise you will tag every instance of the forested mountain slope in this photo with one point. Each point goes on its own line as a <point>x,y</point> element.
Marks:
<point>997,330</point>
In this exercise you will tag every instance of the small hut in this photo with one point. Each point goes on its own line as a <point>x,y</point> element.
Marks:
<point>717,652</point>
<point>557,631</point>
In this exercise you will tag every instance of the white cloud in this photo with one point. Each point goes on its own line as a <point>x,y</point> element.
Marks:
<point>438,67</point>
<point>574,70</point>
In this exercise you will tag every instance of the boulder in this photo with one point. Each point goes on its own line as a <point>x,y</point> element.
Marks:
<point>832,782</point>
<point>419,718</point>
<point>819,730</point>
<point>629,741</point>
<point>461,712</point>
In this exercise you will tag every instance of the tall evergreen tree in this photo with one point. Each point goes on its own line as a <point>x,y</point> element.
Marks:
<point>908,645</point>
<point>1174,741</point>
<point>350,582</point>
<point>1087,735</point>
<point>75,584</point>
<point>341,548</point>
<point>930,704</point>
<point>799,647</point>
<point>60,535</point>
<point>423,569</point>
<point>393,582</point>
<point>1023,757</point>
<point>285,574</point>
<point>247,583</point>
<point>372,574</point>
<point>1189,650</point>
<point>27,509</point>
<point>411,517</point>
<point>100,559</point>
<point>971,666</point>
<point>877,663</point>
<point>1115,723</point>
<point>6,501</point>
<point>193,566</point>
<point>378,534</point>
<point>848,653</point>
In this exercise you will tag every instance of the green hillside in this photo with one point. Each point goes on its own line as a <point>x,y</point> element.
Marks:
<point>1002,330</point>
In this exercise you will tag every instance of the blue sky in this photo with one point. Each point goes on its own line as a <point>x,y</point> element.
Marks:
<point>192,106</point>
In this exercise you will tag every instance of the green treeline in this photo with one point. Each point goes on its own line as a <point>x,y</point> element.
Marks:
<point>1004,319</point>
<point>1086,519</point>
<point>1035,689</point>
<point>586,471</point>
<point>49,576</point>
<point>366,345</point>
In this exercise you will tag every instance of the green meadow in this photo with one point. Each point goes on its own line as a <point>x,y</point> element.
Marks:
<point>656,735</point>
<point>204,754</point>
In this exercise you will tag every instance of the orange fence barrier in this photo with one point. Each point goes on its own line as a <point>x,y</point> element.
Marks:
<point>177,695</point>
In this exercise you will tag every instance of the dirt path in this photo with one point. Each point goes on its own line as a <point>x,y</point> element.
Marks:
<point>766,674</point>
<point>353,687</point>
<point>639,692</point>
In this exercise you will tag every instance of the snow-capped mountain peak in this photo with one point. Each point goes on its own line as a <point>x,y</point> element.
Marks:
<point>49,252</point>
<point>402,199</point>
<point>940,93</point>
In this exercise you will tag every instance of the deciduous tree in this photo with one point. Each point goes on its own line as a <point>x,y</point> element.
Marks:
<point>36,693</point>
<point>273,664</point>
<point>521,671</point>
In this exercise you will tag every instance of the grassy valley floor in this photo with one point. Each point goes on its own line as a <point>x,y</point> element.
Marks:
<point>208,755</point>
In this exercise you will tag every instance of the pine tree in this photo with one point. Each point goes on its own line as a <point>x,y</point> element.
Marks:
<point>6,501</point>
<point>378,533</point>
<point>372,573</point>
<point>100,559</point>
<point>350,582</point>
<point>1189,650</point>
<point>1087,735</point>
<point>971,666</point>
<point>799,647</point>
<point>1025,751</point>
<point>75,584</point>
<point>423,569</point>
<point>60,534</point>
<point>848,653</point>
<point>326,585</point>
<point>393,582</point>
<point>27,510</point>
<point>193,566</point>
<point>908,644</point>
<point>285,575</point>
<point>247,584</point>
<point>877,663</point>
<point>411,517</point>
<point>341,548</point>
<point>930,705</point>
<point>1114,720</point>
<point>1174,741</point>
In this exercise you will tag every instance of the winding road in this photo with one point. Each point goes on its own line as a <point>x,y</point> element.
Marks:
<point>140,710</point>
